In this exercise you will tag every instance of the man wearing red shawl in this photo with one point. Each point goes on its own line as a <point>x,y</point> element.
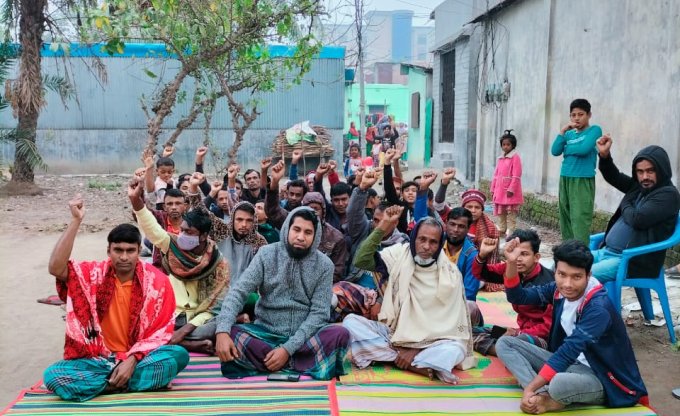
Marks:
<point>119,318</point>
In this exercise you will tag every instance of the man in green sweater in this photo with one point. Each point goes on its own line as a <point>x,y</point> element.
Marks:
<point>576,142</point>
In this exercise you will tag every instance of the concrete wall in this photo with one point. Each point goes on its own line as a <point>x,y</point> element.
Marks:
<point>378,37</point>
<point>118,151</point>
<point>451,34</point>
<point>624,57</point>
<point>524,30</point>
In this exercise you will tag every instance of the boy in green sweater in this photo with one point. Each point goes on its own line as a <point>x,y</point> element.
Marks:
<point>576,142</point>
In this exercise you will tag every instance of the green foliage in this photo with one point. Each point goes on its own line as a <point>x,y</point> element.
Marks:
<point>104,186</point>
<point>222,44</point>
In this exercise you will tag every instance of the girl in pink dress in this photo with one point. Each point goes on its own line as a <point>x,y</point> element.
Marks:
<point>506,185</point>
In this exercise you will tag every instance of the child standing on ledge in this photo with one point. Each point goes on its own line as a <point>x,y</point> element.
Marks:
<point>506,185</point>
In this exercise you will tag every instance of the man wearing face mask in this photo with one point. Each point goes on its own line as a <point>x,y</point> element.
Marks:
<point>291,330</point>
<point>423,324</point>
<point>198,273</point>
<point>457,247</point>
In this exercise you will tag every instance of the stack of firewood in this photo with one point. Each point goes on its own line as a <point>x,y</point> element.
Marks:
<point>321,147</point>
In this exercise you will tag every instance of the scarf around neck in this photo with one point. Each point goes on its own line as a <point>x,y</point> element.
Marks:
<point>210,269</point>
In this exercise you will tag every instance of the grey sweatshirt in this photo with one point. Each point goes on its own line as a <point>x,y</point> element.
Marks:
<point>294,294</point>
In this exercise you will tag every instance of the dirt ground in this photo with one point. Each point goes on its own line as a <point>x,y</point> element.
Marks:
<point>32,333</point>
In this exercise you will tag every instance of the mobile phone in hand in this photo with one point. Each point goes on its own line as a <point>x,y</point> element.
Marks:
<point>498,331</point>
<point>283,377</point>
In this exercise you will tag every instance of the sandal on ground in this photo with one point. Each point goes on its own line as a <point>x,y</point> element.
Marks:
<point>676,393</point>
<point>51,300</point>
<point>673,272</point>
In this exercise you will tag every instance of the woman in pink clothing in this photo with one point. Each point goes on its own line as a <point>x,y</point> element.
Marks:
<point>506,185</point>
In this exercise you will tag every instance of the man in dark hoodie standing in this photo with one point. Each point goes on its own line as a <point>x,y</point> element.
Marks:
<point>647,214</point>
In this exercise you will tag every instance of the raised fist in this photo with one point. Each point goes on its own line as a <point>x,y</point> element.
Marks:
<point>266,163</point>
<point>487,247</point>
<point>368,180</point>
<point>512,250</point>
<point>135,188</point>
<point>392,214</point>
<point>389,155</point>
<point>323,169</point>
<point>77,208</point>
<point>604,145</point>
<point>448,175</point>
<point>168,150</point>
<point>426,179</point>
<point>197,178</point>
<point>278,170</point>
<point>215,187</point>
<point>297,154</point>
<point>200,154</point>
<point>233,170</point>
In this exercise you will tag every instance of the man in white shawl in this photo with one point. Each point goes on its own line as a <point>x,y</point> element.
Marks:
<point>423,324</point>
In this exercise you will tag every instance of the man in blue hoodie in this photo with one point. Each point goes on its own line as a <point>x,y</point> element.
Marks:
<point>589,359</point>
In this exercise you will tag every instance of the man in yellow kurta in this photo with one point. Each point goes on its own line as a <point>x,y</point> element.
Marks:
<point>198,273</point>
<point>423,324</point>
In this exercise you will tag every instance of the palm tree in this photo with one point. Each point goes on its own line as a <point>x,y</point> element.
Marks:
<point>25,148</point>
<point>26,93</point>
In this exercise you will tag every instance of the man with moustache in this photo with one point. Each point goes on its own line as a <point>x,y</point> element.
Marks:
<point>647,213</point>
<point>119,318</point>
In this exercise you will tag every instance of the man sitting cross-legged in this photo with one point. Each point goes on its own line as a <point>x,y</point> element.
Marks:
<point>290,331</point>
<point>590,359</point>
<point>119,316</point>
<point>533,321</point>
<point>423,324</point>
<point>198,273</point>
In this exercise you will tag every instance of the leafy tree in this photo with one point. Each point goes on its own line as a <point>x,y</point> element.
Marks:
<point>222,44</point>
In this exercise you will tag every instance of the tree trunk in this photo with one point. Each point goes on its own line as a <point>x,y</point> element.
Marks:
<point>29,88</point>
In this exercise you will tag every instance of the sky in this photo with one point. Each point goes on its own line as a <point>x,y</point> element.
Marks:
<point>421,8</point>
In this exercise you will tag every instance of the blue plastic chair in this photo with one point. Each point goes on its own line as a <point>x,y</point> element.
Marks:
<point>642,285</point>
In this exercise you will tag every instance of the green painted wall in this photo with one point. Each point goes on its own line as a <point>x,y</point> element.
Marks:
<point>394,96</point>
<point>417,82</point>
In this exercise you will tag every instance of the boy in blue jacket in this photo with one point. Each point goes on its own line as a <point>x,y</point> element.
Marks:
<point>590,359</point>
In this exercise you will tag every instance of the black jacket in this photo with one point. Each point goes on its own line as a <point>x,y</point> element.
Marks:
<point>654,216</point>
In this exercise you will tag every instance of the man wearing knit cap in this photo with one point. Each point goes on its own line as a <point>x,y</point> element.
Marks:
<point>482,226</point>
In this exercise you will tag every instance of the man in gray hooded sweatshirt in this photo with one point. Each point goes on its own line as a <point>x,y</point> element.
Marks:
<point>291,331</point>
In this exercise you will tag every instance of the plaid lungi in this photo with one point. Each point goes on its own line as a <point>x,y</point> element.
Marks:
<point>321,357</point>
<point>84,378</point>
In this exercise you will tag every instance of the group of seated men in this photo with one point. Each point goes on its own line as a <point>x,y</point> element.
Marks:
<point>391,281</point>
